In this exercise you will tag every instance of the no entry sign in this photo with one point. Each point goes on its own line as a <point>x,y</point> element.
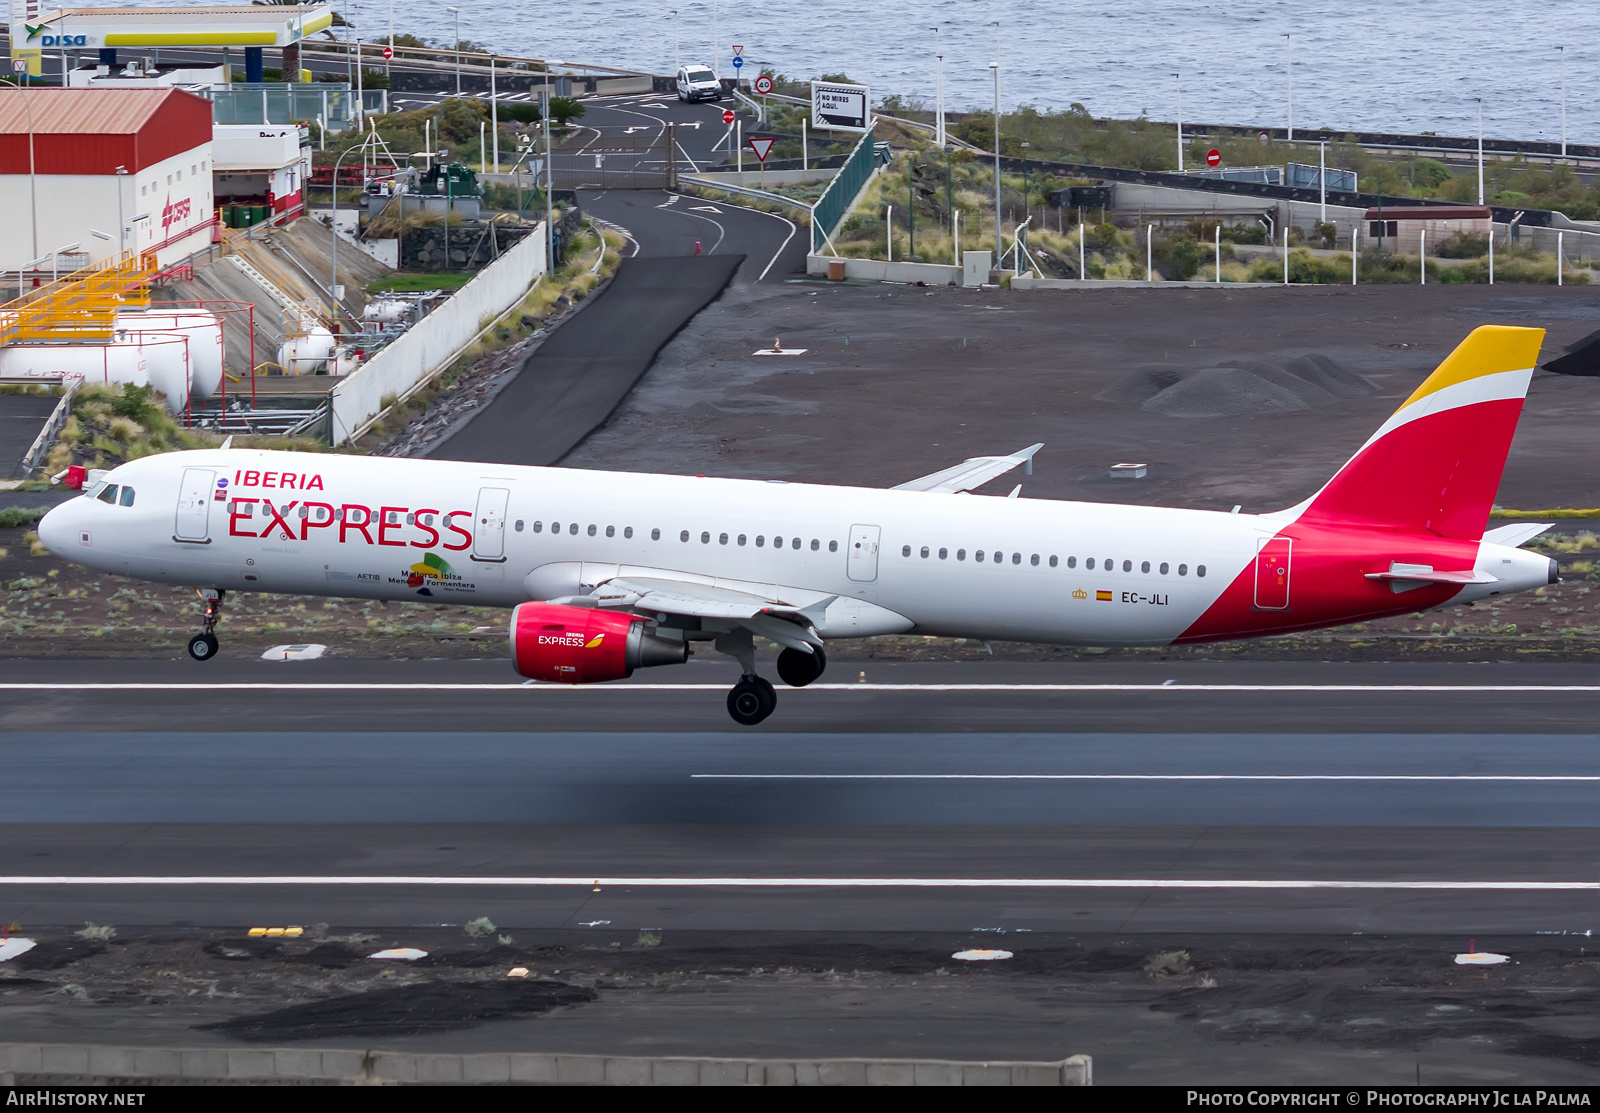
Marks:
<point>727,115</point>
<point>1213,157</point>
<point>388,52</point>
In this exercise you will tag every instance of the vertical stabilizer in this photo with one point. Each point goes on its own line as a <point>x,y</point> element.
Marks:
<point>1435,465</point>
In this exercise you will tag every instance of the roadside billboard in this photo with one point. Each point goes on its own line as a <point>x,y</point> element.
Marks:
<point>840,107</point>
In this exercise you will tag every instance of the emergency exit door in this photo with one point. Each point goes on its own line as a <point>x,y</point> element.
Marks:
<point>862,563</point>
<point>489,524</point>
<point>1272,573</point>
<point>194,506</point>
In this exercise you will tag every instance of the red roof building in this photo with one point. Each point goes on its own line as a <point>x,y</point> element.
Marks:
<point>131,164</point>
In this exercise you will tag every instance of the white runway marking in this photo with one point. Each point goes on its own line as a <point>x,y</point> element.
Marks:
<point>588,881</point>
<point>522,686</point>
<point>1492,778</point>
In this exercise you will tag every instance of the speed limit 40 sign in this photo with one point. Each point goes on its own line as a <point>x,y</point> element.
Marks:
<point>763,85</point>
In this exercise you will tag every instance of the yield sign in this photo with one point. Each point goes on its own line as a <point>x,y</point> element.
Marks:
<point>727,115</point>
<point>761,147</point>
<point>737,50</point>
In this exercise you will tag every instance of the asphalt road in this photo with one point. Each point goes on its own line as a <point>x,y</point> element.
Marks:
<point>1239,798</point>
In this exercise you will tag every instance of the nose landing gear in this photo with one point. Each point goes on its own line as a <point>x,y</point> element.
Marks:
<point>203,646</point>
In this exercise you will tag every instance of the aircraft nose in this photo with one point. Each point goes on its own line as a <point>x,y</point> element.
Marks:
<point>58,528</point>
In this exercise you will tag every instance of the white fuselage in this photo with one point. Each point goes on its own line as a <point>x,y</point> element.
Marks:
<point>496,535</point>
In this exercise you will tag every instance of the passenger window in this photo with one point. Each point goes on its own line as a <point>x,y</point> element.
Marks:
<point>977,555</point>
<point>1164,567</point>
<point>1089,564</point>
<point>905,550</point>
<point>655,535</point>
<point>555,527</point>
<point>924,552</point>
<point>538,527</point>
<point>108,495</point>
<point>1053,561</point>
<point>408,522</point>
<point>961,554</point>
<point>1127,566</point>
<point>777,542</point>
<point>572,528</point>
<point>1145,566</point>
<point>722,539</point>
<point>684,536</point>
<point>127,498</point>
<point>741,539</point>
<point>705,537</point>
<point>1034,560</point>
<point>611,531</point>
<point>1183,569</point>
<point>944,554</point>
<point>1072,562</point>
<point>761,540</point>
<point>833,546</point>
<point>1199,570</point>
<point>794,543</point>
<point>1016,558</point>
<point>591,531</point>
<point>627,531</point>
<point>815,544</point>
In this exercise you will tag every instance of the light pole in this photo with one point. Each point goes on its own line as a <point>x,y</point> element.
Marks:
<point>388,63</point>
<point>676,64</point>
<point>1288,53</point>
<point>995,68</point>
<point>1480,148</point>
<point>55,258</point>
<point>1179,79</point>
<point>122,228</point>
<point>1561,53</point>
<point>938,91</point>
<point>333,224</point>
<point>457,13</point>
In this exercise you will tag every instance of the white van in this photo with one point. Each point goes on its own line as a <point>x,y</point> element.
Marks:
<point>697,82</point>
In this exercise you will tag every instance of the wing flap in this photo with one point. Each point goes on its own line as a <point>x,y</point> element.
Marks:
<point>969,474</point>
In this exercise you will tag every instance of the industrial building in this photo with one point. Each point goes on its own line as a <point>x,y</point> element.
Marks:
<point>93,172</point>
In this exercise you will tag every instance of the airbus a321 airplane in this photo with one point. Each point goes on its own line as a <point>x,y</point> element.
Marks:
<point>609,572</point>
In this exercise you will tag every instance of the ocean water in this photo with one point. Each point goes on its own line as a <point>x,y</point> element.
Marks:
<point>1360,64</point>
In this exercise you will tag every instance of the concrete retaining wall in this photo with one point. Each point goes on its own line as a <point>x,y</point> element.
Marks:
<point>876,270</point>
<point>757,179</point>
<point>436,340</point>
<point>24,1064</point>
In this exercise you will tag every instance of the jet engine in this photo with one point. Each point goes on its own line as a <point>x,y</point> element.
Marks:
<point>582,645</point>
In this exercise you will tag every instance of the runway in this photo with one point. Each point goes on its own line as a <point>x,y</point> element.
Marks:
<point>1148,797</point>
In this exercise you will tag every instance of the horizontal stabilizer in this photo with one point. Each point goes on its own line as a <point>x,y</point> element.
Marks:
<point>1519,533</point>
<point>969,474</point>
<point>1420,574</point>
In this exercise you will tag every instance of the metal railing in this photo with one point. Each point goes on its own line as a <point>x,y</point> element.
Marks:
<point>82,305</point>
<point>834,204</point>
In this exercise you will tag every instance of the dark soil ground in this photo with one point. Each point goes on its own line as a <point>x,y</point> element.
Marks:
<point>1296,1008</point>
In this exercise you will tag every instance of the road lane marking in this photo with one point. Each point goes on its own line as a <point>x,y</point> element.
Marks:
<point>588,881</point>
<point>523,686</point>
<point>1491,778</point>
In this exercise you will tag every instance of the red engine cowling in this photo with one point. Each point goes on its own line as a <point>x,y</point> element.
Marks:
<point>582,645</point>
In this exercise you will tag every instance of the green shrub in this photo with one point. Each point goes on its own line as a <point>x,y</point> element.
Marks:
<point>1463,245</point>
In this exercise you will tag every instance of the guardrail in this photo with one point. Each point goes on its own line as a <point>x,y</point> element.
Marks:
<point>706,183</point>
<point>33,459</point>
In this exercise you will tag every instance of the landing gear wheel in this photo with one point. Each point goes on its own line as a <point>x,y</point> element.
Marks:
<point>751,701</point>
<point>203,647</point>
<point>797,668</point>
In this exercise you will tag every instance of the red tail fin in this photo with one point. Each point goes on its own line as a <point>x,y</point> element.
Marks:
<point>1436,464</point>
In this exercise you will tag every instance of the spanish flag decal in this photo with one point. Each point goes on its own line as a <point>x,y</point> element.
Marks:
<point>1102,596</point>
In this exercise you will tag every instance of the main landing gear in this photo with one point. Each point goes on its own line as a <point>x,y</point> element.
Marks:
<point>203,646</point>
<point>753,698</point>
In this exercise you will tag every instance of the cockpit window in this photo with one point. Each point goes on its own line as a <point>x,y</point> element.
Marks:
<point>702,75</point>
<point>127,496</point>
<point>108,494</point>
<point>93,490</point>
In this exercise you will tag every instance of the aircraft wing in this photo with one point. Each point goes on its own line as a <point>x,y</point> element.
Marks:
<point>970,474</point>
<point>769,617</point>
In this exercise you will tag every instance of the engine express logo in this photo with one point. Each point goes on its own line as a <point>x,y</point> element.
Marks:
<point>571,641</point>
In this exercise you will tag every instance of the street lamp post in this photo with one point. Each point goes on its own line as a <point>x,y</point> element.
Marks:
<point>388,63</point>
<point>1025,146</point>
<point>1288,48</point>
<point>333,280</point>
<point>122,228</point>
<point>1480,148</point>
<point>676,64</point>
<point>1179,79</point>
<point>938,91</point>
<point>1562,55</point>
<point>994,67</point>
<point>55,258</point>
<point>457,13</point>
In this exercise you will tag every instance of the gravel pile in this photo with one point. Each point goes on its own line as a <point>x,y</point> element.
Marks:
<point>1237,387</point>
